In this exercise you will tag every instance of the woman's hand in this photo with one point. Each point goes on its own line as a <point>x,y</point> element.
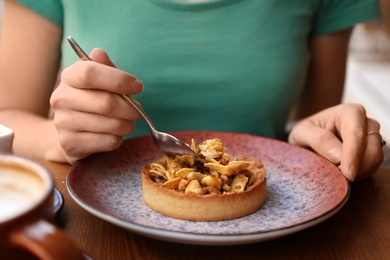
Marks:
<point>340,134</point>
<point>90,116</point>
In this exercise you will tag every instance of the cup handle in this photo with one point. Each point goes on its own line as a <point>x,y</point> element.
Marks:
<point>46,241</point>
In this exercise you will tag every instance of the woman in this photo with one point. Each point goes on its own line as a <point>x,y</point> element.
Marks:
<point>230,65</point>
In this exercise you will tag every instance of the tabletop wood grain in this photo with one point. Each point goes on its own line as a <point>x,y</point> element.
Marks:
<point>360,230</point>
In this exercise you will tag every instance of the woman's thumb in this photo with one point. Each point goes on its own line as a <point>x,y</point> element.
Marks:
<point>101,56</point>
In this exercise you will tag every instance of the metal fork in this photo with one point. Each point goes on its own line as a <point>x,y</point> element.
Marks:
<point>167,143</point>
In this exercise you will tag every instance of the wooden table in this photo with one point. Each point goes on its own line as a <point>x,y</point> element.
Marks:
<point>360,230</point>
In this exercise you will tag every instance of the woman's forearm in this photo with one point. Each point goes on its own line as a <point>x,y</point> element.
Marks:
<point>326,74</point>
<point>35,137</point>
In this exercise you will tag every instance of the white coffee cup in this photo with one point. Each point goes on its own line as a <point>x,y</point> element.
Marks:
<point>6,139</point>
<point>27,213</point>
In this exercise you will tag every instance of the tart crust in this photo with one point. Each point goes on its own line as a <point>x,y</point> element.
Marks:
<point>208,207</point>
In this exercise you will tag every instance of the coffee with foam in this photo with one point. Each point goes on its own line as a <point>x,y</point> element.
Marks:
<point>26,213</point>
<point>21,188</point>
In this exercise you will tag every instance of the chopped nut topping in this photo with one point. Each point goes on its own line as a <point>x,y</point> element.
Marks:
<point>218,173</point>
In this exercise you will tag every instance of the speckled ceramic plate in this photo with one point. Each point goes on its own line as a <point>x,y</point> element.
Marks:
<point>303,189</point>
<point>58,201</point>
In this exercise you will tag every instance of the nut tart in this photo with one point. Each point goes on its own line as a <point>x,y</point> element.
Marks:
<point>216,187</point>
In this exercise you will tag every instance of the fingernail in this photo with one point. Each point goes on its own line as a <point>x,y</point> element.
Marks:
<point>335,152</point>
<point>137,86</point>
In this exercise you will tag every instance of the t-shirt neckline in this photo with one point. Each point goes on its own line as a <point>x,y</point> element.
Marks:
<point>194,5</point>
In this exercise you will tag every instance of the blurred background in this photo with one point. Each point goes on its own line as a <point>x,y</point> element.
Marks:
<point>368,75</point>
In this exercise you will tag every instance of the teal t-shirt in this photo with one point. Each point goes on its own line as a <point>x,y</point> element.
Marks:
<point>227,65</point>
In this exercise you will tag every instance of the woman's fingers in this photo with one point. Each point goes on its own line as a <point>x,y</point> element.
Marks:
<point>101,73</point>
<point>351,124</point>
<point>90,116</point>
<point>321,140</point>
<point>91,87</point>
<point>92,101</point>
<point>93,75</point>
<point>373,155</point>
<point>340,135</point>
<point>94,123</point>
<point>83,144</point>
<point>100,56</point>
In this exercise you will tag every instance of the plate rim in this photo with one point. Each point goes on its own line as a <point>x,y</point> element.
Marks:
<point>208,239</point>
